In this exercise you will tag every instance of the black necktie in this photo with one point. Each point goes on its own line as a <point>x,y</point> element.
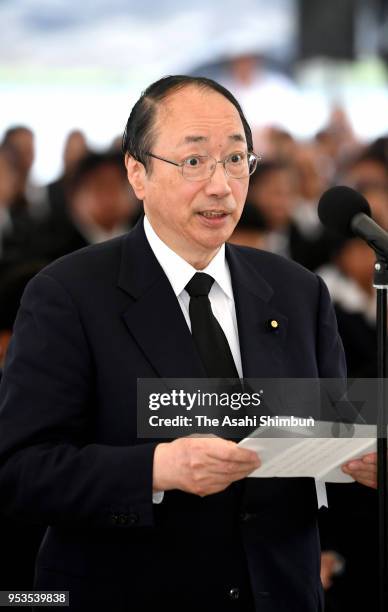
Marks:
<point>207,333</point>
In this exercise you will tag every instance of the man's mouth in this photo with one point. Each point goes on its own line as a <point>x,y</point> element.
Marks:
<point>210,214</point>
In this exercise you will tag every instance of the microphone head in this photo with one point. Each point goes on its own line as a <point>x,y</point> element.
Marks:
<point>338,206</point>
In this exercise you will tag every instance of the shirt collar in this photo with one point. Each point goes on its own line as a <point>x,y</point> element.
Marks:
<point>179,272</point>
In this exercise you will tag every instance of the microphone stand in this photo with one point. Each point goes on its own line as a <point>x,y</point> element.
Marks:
<point>380,283</point>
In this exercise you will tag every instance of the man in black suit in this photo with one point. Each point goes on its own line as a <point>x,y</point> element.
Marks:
<point>95,321</point>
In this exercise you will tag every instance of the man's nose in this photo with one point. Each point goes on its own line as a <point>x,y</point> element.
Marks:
<point>218,183</point>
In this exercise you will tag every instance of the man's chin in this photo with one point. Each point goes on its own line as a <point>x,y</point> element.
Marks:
<point>214,236</point>
<point>215,241</point>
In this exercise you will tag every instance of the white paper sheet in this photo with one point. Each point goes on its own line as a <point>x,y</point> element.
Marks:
<point>306,455</point>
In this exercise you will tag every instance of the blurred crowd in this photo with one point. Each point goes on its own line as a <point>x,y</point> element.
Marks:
<point>92,201</point>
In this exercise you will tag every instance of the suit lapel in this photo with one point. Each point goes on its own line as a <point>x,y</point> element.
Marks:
<point>154,318</point>
<point>156,322</point>
<point>261,346</point>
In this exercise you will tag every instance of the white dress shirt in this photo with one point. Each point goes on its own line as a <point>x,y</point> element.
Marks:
<point>179,272</point>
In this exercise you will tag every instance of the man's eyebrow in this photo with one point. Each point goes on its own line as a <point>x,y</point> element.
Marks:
<point>237,137</point>
<point>197,138</point>
<point>194,138</point>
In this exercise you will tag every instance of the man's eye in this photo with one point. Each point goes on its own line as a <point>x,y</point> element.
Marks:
<point>236,158</point>
<point>192,162</point>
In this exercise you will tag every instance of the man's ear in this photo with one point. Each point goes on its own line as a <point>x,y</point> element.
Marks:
<point>136,175</point>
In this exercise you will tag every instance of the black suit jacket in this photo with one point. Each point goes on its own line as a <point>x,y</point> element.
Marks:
<point>90,324</point>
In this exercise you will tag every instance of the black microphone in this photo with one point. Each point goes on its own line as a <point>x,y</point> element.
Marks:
<point>347,212</point>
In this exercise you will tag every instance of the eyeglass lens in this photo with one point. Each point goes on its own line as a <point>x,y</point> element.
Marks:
<point>236,166</point>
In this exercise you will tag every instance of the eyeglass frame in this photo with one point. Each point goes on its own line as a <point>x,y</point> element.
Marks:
<point>220,161</point>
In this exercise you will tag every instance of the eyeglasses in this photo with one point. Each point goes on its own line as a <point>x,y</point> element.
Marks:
<point>237,165</point>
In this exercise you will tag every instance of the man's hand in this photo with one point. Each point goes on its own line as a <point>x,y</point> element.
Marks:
<point>363,470</point>
<point>202,465</point>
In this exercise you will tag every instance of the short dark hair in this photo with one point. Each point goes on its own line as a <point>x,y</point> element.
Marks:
<point>139,132</point>
<point>266,168</point>
<point>252,218</point>
<point>90,165</point>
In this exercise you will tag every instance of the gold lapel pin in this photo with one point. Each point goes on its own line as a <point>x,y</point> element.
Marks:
<point>273,324</point>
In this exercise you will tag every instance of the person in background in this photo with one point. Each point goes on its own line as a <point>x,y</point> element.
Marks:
<point>20,140</point>
<point>377,196</point>
<point>311,183</point>
<point>363,170</point>
<point>275,144</point>
<point>272,191</point>
<point>100,205</point>
<point>15,223</point>
<point>27,205</point>
<point>379,148</point>
<point>8,188</point>
<point>75,150</point>
<point>335,142</point>
<point>349,278</point>
<point>251,229</point>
